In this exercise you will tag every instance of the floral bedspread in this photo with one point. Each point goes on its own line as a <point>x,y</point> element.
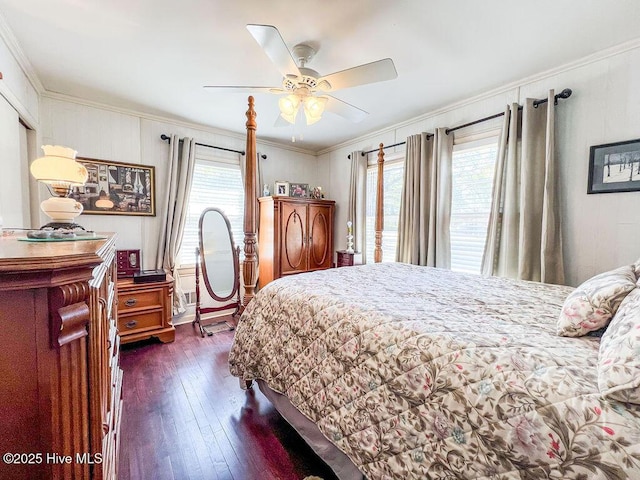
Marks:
<point>419,373</point>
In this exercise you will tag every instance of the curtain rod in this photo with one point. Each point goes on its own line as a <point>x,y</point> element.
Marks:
<point>168,139</point>
<point>566,93</point>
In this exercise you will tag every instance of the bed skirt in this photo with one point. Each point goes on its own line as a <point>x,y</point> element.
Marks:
<point>342,466</point>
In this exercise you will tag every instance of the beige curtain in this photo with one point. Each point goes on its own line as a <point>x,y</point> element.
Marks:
<point>425,206</point>
<point>356,211</point>
<point>176,197</point>
<point>523,237</point>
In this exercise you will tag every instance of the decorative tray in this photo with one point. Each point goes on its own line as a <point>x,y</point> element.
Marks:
<point>74,239</point>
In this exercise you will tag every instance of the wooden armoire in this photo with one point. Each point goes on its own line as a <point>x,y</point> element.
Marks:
<point>60,388</point>
<point>295,235</point>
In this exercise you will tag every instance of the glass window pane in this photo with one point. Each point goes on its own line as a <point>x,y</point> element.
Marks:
<point>393,178</point>
<point>214,185</point>
<point>472,184</point>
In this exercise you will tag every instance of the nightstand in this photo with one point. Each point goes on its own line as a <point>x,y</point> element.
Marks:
<point>344,259</point>
<point>145,310</point>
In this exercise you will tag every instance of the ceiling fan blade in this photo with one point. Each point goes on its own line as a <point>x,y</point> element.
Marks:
<point>361,75</point>
<point>269,38</point>
<point>240,88</point>
<point>344,109</point>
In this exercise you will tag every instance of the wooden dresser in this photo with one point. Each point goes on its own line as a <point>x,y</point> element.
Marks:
<point>60,387</point>
<point>295,236</point>
<point>145,310</point>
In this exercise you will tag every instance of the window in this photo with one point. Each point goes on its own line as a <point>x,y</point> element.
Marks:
<point>217,182</point>
<point>472,183</point>
<point>393,178</point>
<point>473,169</point>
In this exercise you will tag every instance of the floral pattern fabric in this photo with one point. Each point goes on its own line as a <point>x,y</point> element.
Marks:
<point>619,360</point>
<point>422,373</point>
<point>590,306</point>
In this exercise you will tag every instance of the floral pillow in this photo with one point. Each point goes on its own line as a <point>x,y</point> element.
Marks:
<point>590,306</point>
<point>619,359</point>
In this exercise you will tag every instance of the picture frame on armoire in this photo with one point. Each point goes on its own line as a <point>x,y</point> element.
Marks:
<point>299,190</point>
<point>281,189</point>
<point>614,167</point>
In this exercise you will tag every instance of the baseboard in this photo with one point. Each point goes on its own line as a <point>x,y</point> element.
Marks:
<point>190,317</point>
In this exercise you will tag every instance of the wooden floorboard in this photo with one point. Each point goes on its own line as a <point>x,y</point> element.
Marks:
<point>185,417</point>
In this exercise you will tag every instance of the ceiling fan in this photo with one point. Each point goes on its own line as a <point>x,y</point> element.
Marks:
<point>305,87</point>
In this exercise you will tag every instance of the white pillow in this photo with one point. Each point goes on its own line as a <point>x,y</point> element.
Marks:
<point>590,306</point>
<point>619,358</point>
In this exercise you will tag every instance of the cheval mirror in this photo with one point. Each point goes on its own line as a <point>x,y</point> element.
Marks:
<point>218,258</point>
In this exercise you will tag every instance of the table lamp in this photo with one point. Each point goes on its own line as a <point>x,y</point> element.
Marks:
<point>60,172</point>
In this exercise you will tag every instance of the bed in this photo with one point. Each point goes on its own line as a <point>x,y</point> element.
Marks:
<point>414,372</point>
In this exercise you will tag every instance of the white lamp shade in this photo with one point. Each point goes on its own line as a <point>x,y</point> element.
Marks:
<point>289,107</point>
<point>58,167</point>
<point>313,108</point>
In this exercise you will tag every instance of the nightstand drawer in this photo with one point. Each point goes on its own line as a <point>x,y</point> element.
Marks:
<point>139,299</point>
<point>140,321</point>
<point>144,310</point>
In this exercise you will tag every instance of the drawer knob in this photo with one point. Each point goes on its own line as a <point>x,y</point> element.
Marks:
<point>131,302</point>
<point>131,324</point>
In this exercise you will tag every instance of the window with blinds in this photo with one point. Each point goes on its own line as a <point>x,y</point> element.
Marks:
<point>393,178</point>
<point>473,168</point>
<point>216,183</point>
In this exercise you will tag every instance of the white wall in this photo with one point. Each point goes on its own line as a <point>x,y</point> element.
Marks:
<point>105,134</point>
<point>18,89</point>
<point>600,231</point>
<point>10,187</point>
<point>18,101</point>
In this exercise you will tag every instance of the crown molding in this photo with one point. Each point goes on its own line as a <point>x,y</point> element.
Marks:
<point>14,48</point>
<point>513,86</point>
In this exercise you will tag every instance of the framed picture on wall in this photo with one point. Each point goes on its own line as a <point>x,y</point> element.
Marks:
<point>614,167</point>
<point>116,188</point>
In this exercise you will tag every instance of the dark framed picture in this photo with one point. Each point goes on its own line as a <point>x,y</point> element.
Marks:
<point>299,190</point>
<point>117,188</point>
<point>614,167</point>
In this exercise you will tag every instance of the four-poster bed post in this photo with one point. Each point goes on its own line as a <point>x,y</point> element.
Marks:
<point>250,263</point>
<point>377,252</point>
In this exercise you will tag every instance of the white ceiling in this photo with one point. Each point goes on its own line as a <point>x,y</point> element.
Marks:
<point>154,56</point>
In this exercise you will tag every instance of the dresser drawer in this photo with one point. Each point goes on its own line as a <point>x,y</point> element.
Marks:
<point>140,321</point>
<point>140,299</point>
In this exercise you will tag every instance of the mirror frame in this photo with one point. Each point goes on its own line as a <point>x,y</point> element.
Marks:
<point>236,259</point>
<point>200,262</point>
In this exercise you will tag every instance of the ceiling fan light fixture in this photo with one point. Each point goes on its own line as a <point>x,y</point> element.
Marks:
<point>289,106</point>
<point>314,108</point>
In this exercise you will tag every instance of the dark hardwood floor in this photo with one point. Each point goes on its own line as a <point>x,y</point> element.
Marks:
<point>185,417</point>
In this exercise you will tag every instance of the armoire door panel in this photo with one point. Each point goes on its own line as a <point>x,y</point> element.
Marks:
<point>293,257</point>
<point>319,221</point>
